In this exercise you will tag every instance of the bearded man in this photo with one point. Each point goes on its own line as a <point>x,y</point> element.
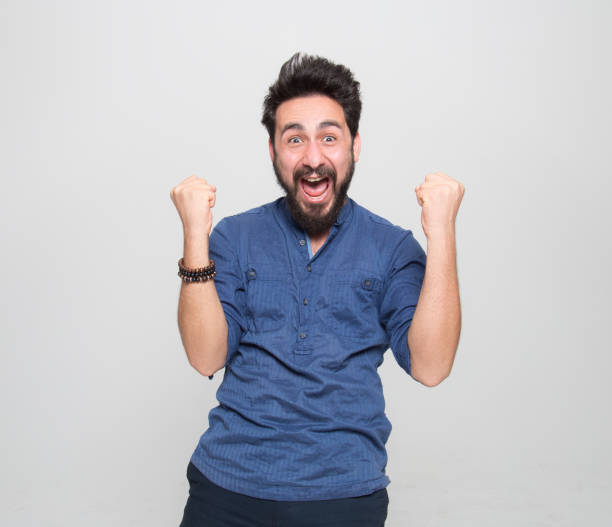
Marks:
<point>298,300</point>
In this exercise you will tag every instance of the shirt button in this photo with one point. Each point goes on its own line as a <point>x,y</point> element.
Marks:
<point>302,335</point>
<point>302,242</point>
<point>305,301</point>
<point>368,283</point>
<point>309,267</point>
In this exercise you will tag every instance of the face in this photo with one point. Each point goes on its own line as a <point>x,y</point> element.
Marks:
<point>314,157</point>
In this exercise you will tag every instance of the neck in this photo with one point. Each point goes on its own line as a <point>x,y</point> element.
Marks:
<point>316,242</point>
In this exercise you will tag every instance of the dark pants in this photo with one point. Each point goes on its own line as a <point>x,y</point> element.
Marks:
<point>209,505</point>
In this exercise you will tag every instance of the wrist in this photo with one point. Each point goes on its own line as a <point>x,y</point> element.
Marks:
<point>440,233</point>
<point>195,249</point>
<point>195,233</point>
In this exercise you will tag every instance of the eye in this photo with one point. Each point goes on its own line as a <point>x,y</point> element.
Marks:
<point>294,140</point>
<point>329,139</point>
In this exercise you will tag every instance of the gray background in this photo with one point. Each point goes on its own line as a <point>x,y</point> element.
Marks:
<point>105,106</point>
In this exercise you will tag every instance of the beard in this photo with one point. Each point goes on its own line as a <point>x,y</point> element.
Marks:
<point>310,219</point>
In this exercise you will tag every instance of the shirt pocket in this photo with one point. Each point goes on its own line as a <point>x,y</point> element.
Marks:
<point>349,303</point>
<point>269,299</point>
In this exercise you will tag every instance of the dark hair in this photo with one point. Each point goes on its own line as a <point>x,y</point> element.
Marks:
<point>305,75</point>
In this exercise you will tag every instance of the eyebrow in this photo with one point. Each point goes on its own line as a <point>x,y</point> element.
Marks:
<point>291,126</point>
<point>325,124</point>
<point>298,126</point>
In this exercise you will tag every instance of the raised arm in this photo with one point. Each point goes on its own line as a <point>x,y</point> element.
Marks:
<point>433,336</point>
<point>201,319</point>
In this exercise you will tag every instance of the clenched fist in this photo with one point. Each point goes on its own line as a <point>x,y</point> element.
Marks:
<point>193,199</point>
<point>439,196</point>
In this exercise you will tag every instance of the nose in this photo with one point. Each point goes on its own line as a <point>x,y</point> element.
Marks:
<point>313,157</point>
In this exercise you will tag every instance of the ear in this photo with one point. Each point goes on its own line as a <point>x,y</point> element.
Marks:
<point>271,149</point>
<point>356,146</point>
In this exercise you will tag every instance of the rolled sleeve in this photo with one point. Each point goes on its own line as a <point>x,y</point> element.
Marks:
<point>229,285</point>
<point>401,295</point>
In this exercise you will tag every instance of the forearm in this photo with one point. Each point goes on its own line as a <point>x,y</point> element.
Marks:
<point>434,332</point>
<point>201,319</point>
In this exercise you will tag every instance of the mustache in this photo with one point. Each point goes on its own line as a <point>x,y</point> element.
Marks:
<point>321,170</point>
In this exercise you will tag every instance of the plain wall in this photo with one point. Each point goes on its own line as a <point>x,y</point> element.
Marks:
<point>105,106</point>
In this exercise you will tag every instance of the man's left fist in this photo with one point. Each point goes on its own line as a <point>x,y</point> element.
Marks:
<point>439,197</point>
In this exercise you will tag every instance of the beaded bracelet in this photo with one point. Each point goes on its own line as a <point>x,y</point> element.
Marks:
<point>200,274</point>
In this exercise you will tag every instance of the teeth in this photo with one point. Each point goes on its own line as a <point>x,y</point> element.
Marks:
<point>314,180</point>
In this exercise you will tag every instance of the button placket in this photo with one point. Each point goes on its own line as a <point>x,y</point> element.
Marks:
<point>301,255</point>
<point>304,344</point>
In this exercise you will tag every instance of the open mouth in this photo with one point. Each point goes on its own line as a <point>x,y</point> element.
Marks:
<point>315,188</point>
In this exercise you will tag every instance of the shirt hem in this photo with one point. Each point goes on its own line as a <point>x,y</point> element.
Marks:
<point>280,492</point>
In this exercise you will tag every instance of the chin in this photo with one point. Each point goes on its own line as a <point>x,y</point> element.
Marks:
<point>316,209</point>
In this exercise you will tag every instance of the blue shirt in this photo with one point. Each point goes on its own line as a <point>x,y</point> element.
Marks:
<point>301,412</point>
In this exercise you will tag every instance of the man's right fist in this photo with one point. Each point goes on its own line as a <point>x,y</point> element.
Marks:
<point>193,199</point>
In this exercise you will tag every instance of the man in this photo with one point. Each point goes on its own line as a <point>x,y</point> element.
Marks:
<point>310,290</point>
